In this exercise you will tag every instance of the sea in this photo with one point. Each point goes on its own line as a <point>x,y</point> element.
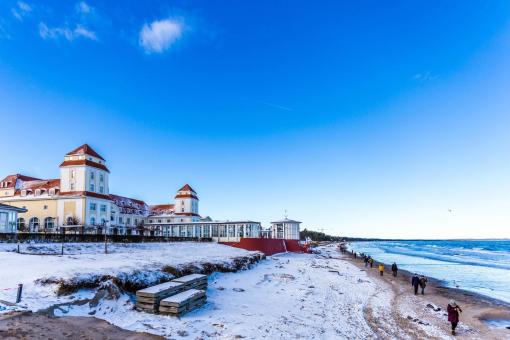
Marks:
<point>480,266</point>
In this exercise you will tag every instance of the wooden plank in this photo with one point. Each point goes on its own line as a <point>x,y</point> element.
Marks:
<point>183,298</point>
<point>161,289</point>
<point>183,309</point>
<point>190,278</point>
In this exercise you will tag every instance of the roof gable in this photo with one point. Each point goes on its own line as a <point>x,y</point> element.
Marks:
<point>85,149</point>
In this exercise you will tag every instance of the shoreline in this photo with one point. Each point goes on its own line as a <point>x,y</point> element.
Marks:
<point>478,310</point>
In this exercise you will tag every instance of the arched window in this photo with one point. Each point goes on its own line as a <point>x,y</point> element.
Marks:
<point>49,223</point>
<point>70,220</point>
<point>20,223</point>
<point>34,224</point>
<point>92,221</point>
<point>103,221</point>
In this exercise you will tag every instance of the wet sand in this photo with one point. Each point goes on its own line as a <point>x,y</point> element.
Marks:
<point>477,309</point>
<point>35,326</point>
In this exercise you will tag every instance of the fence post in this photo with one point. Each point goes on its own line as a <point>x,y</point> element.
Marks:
<point>20,290</point>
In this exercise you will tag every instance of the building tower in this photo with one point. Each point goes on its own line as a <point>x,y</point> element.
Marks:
<point>84,179</point>
<point>186,205</point>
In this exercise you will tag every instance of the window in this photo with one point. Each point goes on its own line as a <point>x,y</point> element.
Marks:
<point>182,209</point>
<point>101,190</point>
<point>23,192</point>
<point>182,202</point>
<point>52,192</point>
<point>73,174</point>
<point>168,221</point>
<point>92,175</point>
<point>159,221</point>
<point>128,220</point>
<point>92,206</point>
<point>45,207</point>
<point>92,221</point>
<point>38,192</point>
<point>34,224</point>
<point>150,221</point>
<point>103,208</point>
<point>92,187</point>
<point>49,223</point>
<point>72,186</point>
<point>20,223</point>
<point>101,178</point>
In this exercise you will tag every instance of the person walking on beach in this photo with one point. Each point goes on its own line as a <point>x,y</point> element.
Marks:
<point>423,284</point>
<point>394,269</point>
<point>453,314</point>
<point>381,269</point>
<point>371,261</point>
<point>366,261</point>
<point>415,282</point>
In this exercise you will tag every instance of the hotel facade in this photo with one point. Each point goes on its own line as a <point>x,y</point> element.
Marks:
<point>80,201</point>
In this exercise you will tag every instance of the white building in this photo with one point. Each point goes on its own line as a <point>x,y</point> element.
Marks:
<point>81,200</point>
<point>285,229</point>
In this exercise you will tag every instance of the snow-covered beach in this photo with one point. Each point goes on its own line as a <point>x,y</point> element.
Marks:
<point>287,296</point>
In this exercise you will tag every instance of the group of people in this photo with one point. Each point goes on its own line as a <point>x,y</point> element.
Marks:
<point>417,282</point>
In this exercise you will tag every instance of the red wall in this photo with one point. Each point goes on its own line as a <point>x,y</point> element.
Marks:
<point>268,246</point>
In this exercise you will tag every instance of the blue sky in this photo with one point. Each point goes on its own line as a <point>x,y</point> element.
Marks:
<point>362,118</point>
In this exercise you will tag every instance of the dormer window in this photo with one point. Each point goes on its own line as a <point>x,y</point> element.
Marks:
<point>23,192</point>
<point>52,192</point>
<point>38,192</point>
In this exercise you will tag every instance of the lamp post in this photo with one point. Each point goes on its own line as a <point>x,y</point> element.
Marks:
<point>103,223</point>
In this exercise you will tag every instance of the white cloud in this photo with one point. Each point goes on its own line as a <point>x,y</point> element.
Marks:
<point>83,7</point>
<point>426,76</point>
<point>21,10</point>
<point>65,32</point>
<point>158,36</point>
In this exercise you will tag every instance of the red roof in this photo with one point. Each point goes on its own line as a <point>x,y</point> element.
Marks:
<point>186,196</point>
<point>85,149</point>
<point>161,208</point>
<point>85,162</point>
<point>11,179</point>
<point>121,200</point>
<point>187,187</point>
<point>86,194</point>
<point>41,184</point>
<point>187,214</point>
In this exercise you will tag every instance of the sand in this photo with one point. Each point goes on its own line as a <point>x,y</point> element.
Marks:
<point>37,326</point>
<point>477,309</point>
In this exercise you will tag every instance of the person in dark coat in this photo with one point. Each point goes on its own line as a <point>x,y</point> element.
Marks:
<point>423,284</point>
<point>415,282</point>
<point>453,314</point>
<point>365,259</point>
<point>394,269</point>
